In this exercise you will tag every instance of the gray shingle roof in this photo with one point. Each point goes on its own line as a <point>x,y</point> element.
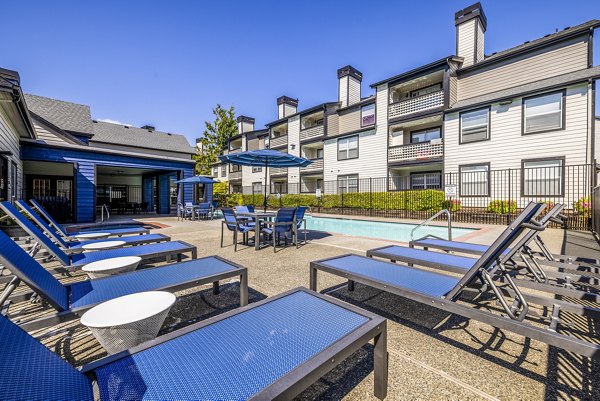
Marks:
<point>67,116</point>
<point>532,87</point>
<point>132,136</point>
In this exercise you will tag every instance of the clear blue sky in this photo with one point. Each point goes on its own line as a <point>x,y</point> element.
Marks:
<point>168,63</point>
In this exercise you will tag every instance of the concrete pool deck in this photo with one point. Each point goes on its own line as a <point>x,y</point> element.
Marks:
<point>432,355</point>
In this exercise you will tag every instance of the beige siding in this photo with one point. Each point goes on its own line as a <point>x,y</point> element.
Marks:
<point>333,124</point>
<point>453,84</point>
<point>9,141</point>
<point>294,139</point>
<point>280,111</point>
<point>349,121</point>
<point>343,91</point>
<point>47,136</point>
<point>354,91</point>
<point>150,152</point>
<point>480,52</point>
<point>465,46</point>
<point>555,60</point>
<point>289,110</point>
<point>507,147</point>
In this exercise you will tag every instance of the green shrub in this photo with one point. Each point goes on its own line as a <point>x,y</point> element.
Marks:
<point>502,207</point>
<point>452,205</point>
<point>583,206</point>
<point>233,200</point>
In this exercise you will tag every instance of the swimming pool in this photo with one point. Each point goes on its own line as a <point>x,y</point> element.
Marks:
<point>379,229</point>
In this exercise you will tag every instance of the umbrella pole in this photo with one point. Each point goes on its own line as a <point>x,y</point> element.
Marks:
<point>266,183</point>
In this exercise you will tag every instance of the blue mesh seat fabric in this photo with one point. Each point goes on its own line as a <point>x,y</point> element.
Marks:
<point>284,215</point>
<point>467,246</point>
<point>134,239</point>
<point>234,358</point>
<point>300,211</point>
<point>30,371</point>
<point>250,208</point>
<point>142,250</point>
<point>91,292</point>
<point>401,253</point>
<point>231,219</point>
<point>425,282</point>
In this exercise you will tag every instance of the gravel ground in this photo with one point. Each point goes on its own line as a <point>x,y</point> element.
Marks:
<point>431,355</point>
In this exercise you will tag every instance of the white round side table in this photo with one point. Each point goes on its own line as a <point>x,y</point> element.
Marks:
<point>108,267</point>
<point>90,236</point>
<point>127,321</point>
<point>102,246</point>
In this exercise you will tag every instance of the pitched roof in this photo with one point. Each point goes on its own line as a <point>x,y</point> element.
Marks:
<point>531,87</point>
<point>142,138</point>
<point>529,45</point>
<point>67,116</point>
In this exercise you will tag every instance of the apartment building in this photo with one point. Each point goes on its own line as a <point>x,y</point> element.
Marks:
<point>527,108</point>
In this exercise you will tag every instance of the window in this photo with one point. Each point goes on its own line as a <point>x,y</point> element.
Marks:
<point>3,178</point>
<point>348,148</point>
<point>41,188</point>
<point>234,168</point>
<point>223,170</point>
<point>14,180</point>
<point>279,187</point>
<point>543,177</point>
<point>63,188</point>
<point>347,183</point>
<point>475,180</point>
<point>475,125</point>
<point>256,169</point>
<point>319,153</point>
<point>426,90</point>
<point>367,115</point>
<point>235,189</point>
<point>257,188</point>
<point>543,113</point>
<point>426,180</point>
<point>215,171</point>
<point>425,135</point>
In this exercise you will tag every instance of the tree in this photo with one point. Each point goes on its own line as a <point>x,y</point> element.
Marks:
<point>215,138</point>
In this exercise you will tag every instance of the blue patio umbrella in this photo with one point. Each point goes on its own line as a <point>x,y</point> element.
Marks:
<point>197,179</point>
<point>265,158</point>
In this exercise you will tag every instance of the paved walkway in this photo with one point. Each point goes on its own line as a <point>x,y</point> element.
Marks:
<point>433,356</point>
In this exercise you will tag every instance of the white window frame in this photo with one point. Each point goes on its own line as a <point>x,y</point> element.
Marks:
<point>370,109</point>
<point>462,125</point>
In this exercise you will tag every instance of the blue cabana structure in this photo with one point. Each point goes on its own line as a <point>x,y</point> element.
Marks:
<point>207,182</point>
<point>265,158</point>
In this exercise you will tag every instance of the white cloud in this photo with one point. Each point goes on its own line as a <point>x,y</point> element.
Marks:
<point>108,120</point>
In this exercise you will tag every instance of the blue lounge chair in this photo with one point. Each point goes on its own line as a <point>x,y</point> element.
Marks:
<point>60,230</point>
<point>272,349</point>
<point>300,222</point>
<point>235,225</point>
<point>76,246</point>
<point>72,300</point>
<point>283,224</point>
<point>443,291</point>
<point>74,261</point>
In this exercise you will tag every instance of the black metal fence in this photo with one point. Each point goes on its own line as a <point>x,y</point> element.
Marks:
<point>478,194</point>
<point>121,199</point>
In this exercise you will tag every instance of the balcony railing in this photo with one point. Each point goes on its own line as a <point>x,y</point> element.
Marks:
<point>312,132</point>
<point>279,141</point>
<point>316,165</point>
<point>416,151</point>
<point>278,170</point>
<point>416,104</point>
<point>237,175</point>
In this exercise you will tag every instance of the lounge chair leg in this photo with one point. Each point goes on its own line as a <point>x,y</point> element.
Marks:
<point>178,257</point>
<point>313,279</point>
<point>216,289</point>
<point>243,290</point>
<point>274,236</point>
<point>235,241</point>
<point>380,369</point>
<point>168,259</point>
<point>350,285</point>
<point>221,235</point>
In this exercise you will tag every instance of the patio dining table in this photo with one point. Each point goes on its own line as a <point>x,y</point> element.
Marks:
<point>258,217</point>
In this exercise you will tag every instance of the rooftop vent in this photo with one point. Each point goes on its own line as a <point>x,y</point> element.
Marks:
<point>126,126</point>
<point>150,128</point>
<point>94,121</point>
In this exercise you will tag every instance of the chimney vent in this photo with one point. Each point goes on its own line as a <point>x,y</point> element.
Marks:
<point>245,124</point>
<point>150,128</point>
<point>471,24</point>
<point>286,106</point>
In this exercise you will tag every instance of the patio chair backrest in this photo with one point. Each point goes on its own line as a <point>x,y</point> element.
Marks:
<point>300,214</point>
<point>40,222</point>
<point>528,237</point>
<point>187,204</point>
<point>242,209</point>
<point>26,268</point>
<point>215,204</point>
<point>30,371</point>
<point>205,205</point>
<point>48,217</point>
<point>32,230</point>
<point>487,261</point>
<point>229,217</point>
<point>285,214</point>
<point>250,208</point>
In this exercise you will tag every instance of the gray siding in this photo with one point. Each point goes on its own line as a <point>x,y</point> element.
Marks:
<point>554,60</point>
<point>9,141</point>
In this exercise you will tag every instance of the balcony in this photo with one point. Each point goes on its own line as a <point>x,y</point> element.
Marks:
<point>278,141</point>
<point>312,132</point>
<point>416,104</point>
<point>416,151</point>
<point>278,171</point>
<point>237,175</point>
<point>316,165</point>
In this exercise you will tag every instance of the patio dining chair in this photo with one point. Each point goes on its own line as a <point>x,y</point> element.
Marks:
<point>283,224</point>
<point>235,225</point>
<point>204,210</point>
<point>300,222</point>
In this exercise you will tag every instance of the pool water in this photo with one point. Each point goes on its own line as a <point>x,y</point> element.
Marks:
<point>378,229</point>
